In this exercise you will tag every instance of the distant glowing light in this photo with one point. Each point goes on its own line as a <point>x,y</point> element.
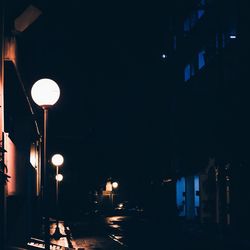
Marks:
<point>109,186</point>
<point>232,36</point>
<point>164,56</point>
<point>115,184</point>
<point>167,180</point>
<point>59,177</point>
<point>115,226</point>
<point>117,237</point>
<point>57,160</point>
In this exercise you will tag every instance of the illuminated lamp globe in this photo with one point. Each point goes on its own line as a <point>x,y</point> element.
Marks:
<point>57,160</point>
<point>59,177</point>
<point>45,92</point>
<point>115,185</point>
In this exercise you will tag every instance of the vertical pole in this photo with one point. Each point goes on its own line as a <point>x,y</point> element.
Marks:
<point>217,201</point>
<point>228,218</point>
<point>45,184</point>
<point>57,186</point>
<point>2,185</point>
<point>228,205</point>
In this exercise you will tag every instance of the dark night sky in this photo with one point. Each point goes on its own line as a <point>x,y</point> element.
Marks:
<point>112,116</point>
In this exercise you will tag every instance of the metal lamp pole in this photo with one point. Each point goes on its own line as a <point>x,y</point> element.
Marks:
<point>45,183</point>
<point>45,93</point>
<point>57,160</point>
<point>114,186</point>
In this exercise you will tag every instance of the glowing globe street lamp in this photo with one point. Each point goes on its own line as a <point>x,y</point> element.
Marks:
<point>57,160</point>
<point>59,177</point>
<point>45,93</point>
<point>115,185</point>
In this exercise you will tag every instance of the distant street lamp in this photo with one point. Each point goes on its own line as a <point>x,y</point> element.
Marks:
<point>57,160</point>
<point>45,93</point>
<point>59,177</point>
<point>114,186</point>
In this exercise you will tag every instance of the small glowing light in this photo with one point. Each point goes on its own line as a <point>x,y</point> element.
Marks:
<point>115,226</point>
<point>45,92</point>
<point>59,177</point>
<point>232,36</point>
<point>164,56</point>
<point>118,237</point>
<point>109,186</point>
<point>120,205</point>
<point>167,180</point>
<point>57,160</point>
<point>115,185</point>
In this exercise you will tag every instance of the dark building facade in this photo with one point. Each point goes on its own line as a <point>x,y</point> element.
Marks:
<point>207,62</point>
<point>20,143</point>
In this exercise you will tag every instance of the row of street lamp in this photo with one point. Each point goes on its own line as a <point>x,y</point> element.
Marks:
<point>57,160</point>
<point>45,93</point>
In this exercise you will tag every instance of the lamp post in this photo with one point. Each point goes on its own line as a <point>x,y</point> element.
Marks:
<point>114,186</point>
<point>45,93</point>
<point>57,160</point>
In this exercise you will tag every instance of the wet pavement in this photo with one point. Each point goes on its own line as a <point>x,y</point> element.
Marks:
<point>139,232</point>
<point>120,232</point>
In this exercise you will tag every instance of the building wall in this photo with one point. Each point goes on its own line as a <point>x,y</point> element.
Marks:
<point>208,44</point>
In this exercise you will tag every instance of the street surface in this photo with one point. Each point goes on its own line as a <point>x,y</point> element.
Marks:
<point>139,232</point>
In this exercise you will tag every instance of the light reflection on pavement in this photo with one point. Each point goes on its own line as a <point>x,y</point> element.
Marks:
<point>115,224</point>
<point>106,240</point>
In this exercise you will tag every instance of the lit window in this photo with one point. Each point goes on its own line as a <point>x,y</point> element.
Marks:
<point>201,59</point>
<point>180,198</point>
<point>196,192</point>
<point>200,13</point>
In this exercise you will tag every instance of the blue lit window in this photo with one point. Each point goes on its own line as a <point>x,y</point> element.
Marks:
<point>200,13</point>
<point>180,198</point>
<point>187,71</point>
<point>196,194</point>
<point>201,59</point>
